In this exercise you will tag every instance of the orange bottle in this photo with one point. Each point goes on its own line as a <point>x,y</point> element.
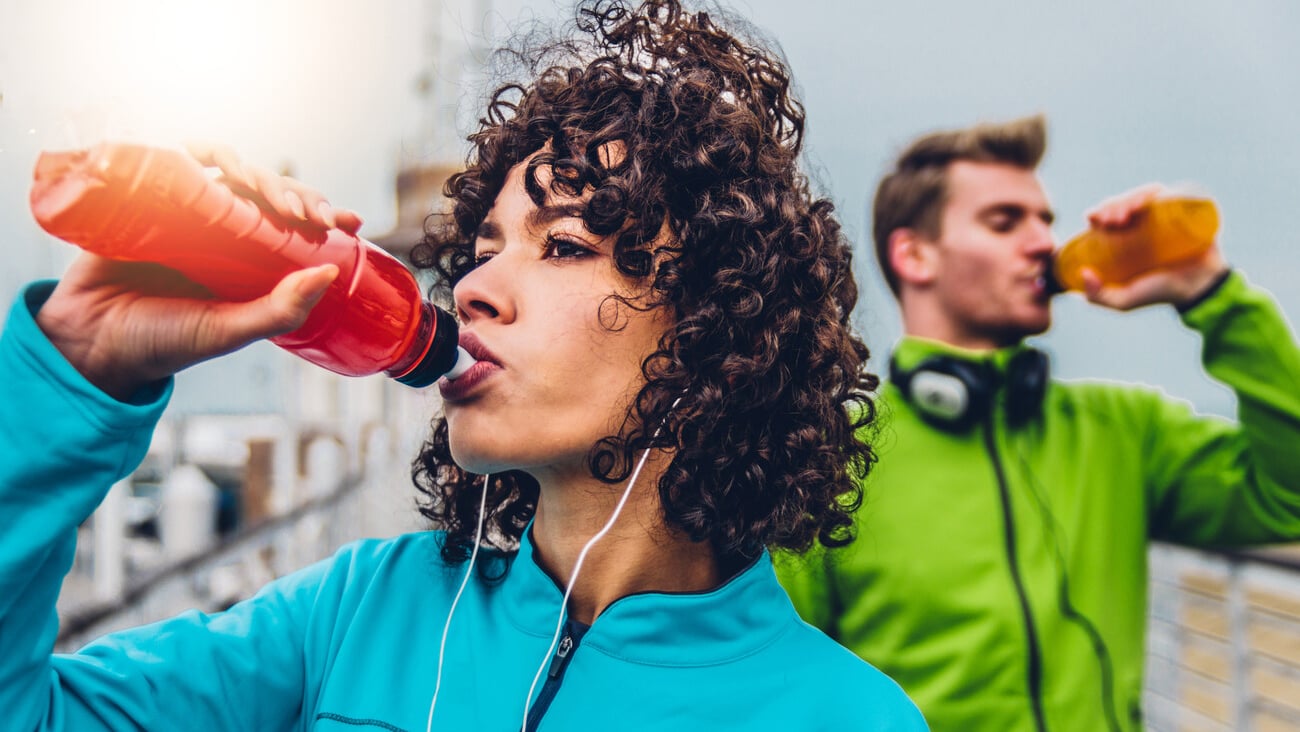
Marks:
<point>140,203</point>
<point>1166,231</point>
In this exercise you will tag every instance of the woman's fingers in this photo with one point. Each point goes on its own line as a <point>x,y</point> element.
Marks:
<point>348,220</point>
<point>275,190</point>
<point>289,198</point>
<point>223,158</point>
<point>318,210</point>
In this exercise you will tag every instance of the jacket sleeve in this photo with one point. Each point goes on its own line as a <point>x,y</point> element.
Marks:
<point>1215,483</point>
<point>63,443</point>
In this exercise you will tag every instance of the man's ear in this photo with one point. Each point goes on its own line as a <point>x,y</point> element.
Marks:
<point>912,256</point>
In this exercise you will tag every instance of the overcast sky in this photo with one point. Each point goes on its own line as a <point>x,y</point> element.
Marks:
<point>1194,91</point>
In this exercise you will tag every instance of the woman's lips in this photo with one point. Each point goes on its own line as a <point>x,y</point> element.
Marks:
<point>474,347</point>
<point>463,387</point>
<point>486,364</point>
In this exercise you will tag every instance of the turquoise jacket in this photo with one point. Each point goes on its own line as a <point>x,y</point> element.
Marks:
<point>351,643</point>
<point>1000,574</point>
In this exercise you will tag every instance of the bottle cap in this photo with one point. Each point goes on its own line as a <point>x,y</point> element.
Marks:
<point>463,362</point>
<point>442,353</point>
<point>1051,282</point>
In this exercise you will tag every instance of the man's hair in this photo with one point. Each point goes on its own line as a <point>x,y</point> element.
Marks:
<point>759,384</point>
<point>913,194</point>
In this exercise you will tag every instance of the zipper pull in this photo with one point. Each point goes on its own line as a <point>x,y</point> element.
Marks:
<point>561,658</point>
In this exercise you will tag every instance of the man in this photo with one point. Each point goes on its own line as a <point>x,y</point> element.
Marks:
<point>1000,570</point>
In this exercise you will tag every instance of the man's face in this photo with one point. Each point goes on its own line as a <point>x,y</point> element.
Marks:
<point>993,249</point>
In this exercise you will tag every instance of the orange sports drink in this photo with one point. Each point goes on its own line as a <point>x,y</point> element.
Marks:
<point>1165,232</point>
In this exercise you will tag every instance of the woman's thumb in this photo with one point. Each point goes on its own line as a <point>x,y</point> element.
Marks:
<point>287,306</point>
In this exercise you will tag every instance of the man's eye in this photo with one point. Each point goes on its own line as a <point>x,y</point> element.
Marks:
<point>481,258</point>
<point>1002,224</point>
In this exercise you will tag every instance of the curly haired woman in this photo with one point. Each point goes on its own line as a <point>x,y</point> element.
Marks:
<point>666,387</point>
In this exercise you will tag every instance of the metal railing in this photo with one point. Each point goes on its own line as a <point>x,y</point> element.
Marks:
<point>330,507</point>
<point>1223,640</point>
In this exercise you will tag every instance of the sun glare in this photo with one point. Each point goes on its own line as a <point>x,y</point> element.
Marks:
<point>169,71</point>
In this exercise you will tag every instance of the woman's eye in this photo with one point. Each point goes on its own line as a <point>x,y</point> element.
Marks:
<point>481,258</point>
<point>561,248</point>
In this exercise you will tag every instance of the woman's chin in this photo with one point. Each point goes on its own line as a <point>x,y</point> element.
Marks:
<point>477,459</point>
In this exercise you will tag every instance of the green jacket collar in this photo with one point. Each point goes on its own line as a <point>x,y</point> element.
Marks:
<point>912,350</point>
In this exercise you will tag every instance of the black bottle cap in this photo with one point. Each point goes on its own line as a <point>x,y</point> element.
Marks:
<point>442,352</point>
<point>1051,283</point>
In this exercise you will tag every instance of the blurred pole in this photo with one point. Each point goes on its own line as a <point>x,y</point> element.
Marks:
<point>187,516</point>
<point>110,543</point>
<point>284,470</point>
<point>326,468</point>
<point>1239,642</point>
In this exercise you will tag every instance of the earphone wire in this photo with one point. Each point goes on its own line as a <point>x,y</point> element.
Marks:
<point>473,555</point>
<point>577,567</point>
<point>1065,604</point>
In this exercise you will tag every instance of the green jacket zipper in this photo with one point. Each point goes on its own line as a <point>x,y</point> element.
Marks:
<point>1034,669</point>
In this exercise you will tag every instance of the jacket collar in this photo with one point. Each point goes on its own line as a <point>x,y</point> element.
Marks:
<point>912,350</point>
<point>742,615</point>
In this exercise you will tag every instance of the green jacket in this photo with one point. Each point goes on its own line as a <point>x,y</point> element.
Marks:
<point>1000,575</point>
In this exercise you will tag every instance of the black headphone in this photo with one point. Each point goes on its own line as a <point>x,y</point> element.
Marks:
<point>954,394</point>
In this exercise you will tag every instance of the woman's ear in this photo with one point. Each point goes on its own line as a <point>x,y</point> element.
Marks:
<point>912,257</point>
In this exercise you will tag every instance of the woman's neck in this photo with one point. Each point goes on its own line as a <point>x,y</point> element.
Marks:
<point>638,554</point>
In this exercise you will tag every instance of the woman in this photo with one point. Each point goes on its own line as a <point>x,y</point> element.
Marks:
<point>664,389</point>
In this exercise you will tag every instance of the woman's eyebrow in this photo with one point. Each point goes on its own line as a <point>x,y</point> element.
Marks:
<point>488,230</point>
<point>543,215</point>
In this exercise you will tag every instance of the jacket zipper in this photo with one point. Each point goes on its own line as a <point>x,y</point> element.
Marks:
<point>1034,670</point>
<point>554,675</point>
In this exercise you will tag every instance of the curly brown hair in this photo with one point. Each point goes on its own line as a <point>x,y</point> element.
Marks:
<point>757,278</point>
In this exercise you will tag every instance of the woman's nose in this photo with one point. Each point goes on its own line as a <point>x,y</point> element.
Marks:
<point>484,293</point>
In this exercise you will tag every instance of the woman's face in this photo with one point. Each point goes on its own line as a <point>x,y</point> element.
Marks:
<point>553,376</point>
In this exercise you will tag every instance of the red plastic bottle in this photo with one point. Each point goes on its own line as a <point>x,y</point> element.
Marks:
<point>140,203</point>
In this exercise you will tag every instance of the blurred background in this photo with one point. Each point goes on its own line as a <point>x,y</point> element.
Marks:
<point>264,463</point>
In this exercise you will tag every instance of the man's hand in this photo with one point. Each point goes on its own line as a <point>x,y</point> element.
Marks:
<point>1179,285</point>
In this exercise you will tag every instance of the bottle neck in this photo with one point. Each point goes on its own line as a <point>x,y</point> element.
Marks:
<point>433,349</point>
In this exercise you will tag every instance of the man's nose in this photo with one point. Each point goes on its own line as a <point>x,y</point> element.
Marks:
<point>1039,239</point>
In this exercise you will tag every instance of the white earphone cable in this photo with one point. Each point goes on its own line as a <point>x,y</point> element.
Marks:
<point>442,647</point>
<point>577,567</point>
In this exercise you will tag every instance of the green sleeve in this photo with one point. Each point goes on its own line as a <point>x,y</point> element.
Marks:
<point>805,578</point>
<point>1215,483</point>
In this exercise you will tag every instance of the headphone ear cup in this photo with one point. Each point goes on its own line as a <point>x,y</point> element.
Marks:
<point>948,393</point>
<point>1027,380</point>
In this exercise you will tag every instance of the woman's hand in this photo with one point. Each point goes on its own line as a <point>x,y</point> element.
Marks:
<point>125,324</point>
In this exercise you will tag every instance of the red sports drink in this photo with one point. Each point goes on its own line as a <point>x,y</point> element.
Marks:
<point>140,203</point>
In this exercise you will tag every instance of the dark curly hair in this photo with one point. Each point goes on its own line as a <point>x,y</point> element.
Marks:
<point>757,279</point>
